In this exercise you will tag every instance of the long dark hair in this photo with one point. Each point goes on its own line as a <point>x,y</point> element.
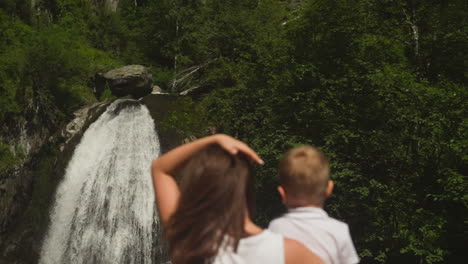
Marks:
<point>216,191</point>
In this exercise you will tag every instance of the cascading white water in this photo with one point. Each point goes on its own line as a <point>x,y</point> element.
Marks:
<point>104,208</point>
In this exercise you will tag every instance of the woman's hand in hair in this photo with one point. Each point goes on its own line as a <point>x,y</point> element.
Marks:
<point>163,168</point>
<point>235,146</point>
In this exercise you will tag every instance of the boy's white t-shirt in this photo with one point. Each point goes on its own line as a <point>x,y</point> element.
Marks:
<point>325,236</point>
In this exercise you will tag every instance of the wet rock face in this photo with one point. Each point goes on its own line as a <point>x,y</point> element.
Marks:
<point>83,117</point>
<point>133,80</point>
<point>15,183</point>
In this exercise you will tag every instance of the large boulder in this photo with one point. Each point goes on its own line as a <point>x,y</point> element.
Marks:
<point>133,80</point>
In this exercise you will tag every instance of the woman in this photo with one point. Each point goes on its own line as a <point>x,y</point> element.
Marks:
<point>209,217</point>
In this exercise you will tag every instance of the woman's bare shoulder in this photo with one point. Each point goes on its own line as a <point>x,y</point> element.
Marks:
<point>296,253</point>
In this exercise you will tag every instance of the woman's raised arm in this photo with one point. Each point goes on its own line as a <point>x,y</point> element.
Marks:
<point>163,168</point>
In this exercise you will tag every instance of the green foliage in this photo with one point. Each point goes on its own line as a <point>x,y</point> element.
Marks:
<point>343,76</point>
<point>187,116</point>
<point>17,7</point>
<point>7,157</point>
<point>45,185</point>
<point>106,95</point>
<point>12,63</point>
<point>162,77</point>
<point>48,67</point>
<point>10,155</point>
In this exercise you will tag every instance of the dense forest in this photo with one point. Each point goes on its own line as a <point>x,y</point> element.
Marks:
<point>379,85</point>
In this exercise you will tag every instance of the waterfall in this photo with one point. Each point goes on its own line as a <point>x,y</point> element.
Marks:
<point>104,208</point>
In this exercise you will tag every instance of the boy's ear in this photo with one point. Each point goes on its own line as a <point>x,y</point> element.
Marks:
<point>329,190</point>
<point>282,193</point>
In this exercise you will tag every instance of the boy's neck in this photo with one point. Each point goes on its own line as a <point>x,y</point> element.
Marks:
<point>310,205</point>
<point>305,206</point>
<point>313,206</point>
<point>293,202</point>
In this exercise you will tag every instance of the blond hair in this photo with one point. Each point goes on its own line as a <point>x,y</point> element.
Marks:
<point>304,174</point>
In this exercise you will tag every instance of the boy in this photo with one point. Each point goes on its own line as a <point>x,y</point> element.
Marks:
<point>305,185</point>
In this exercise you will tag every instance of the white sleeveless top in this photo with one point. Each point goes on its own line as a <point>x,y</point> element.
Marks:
<point>266,247</point>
